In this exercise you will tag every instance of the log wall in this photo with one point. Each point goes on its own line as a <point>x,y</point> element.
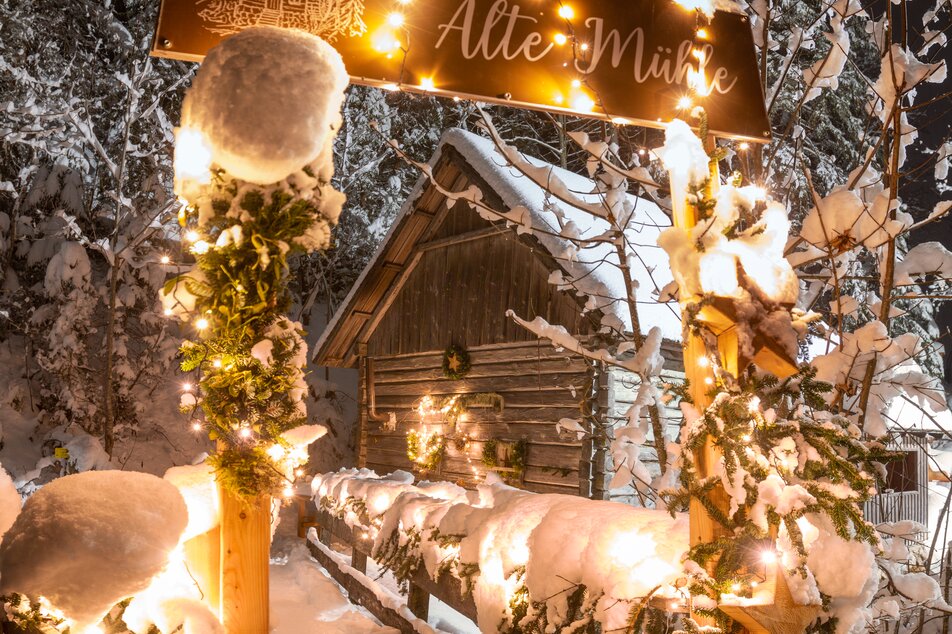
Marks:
<point>538,384</point>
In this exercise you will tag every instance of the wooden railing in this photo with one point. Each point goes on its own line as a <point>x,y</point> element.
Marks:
<point>360,588</point>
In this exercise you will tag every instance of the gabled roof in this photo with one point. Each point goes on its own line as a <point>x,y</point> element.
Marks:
<point>464,159</point>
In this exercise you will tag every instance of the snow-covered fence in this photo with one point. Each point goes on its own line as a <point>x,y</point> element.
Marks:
<point>500,555</point>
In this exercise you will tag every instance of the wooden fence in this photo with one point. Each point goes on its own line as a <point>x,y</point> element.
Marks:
<point>360,588</point>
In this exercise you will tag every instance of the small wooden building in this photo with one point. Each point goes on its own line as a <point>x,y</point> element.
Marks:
<point>445,276</point>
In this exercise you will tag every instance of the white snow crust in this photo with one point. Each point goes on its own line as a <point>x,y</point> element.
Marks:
<point>620,553</point>
<point>89,540</point>
<point>266,101</point>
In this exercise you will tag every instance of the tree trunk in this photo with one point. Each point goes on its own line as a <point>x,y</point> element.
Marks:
<point>109,413</point>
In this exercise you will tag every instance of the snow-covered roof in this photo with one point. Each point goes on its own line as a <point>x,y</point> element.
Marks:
<point>595,268</point>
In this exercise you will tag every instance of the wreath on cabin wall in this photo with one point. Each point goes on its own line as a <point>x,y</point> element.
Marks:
<point>456,363</point>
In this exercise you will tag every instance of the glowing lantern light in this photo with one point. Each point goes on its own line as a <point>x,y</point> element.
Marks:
<point>383,41</point>
<point>583,103</point>
<point>193,157</point>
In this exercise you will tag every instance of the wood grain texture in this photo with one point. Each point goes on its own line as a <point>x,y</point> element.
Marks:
<point>203,559</point>
<point>245,542</point>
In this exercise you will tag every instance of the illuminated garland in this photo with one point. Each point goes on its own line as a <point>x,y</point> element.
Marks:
<point>250,356</point>
<point>425,449</point>
<point>763,431</point>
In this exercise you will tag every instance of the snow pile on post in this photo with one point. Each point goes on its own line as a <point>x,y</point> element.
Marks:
<point>263,140</point>
<point>89,540</point>
<point>515,547</point>
<point>197,485</point>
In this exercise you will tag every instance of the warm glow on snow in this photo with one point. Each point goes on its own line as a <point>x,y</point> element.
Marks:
<point>193,157</point>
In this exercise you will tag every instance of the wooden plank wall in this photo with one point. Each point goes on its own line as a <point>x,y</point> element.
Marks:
<point>539,386</point>
<point>460,292</point>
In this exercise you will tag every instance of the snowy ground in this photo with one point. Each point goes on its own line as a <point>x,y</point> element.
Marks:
<point>304,597</point>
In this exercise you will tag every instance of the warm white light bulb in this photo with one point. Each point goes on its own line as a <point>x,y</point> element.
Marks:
<point>769,557</point>
<point>168,312</point>
<point>186,387</point>
<point>191,235</point>
<point>684,103</point>
<point>583,103</point>
<point>245,432</point>
<point>743,147</point>
<point>561,39</point>
<point>201,324</point>
<point>165,259</point>
<point>395,19</point>
<point>201,247</point>
<point>427,84</point>
<point>566,12</point>
<point>197,426</point>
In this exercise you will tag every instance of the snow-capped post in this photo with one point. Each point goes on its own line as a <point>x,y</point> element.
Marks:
<point>253,164</point>
<point>751,506</point>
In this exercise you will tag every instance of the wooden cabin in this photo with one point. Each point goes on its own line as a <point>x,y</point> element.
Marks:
<point>445,276</point>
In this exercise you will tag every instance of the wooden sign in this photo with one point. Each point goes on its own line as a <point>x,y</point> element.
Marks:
<point>630,61</point>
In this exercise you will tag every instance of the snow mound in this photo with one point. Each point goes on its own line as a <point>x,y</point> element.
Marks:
<point>90,540</point>
<point>547,543</point>
<point>266,100</point>
<point>9,501</point>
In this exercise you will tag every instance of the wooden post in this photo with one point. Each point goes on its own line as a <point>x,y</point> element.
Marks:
<point>245,546</point>
<point>418,600</point>
<point>203,559</point>
<point>773,611</point>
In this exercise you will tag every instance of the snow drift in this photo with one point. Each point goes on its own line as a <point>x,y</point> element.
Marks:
<point>89,540</point>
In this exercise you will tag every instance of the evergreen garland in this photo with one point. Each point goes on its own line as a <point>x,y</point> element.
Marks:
<point>456,363</point>
<point>766,428</point>
<point>250,356</point>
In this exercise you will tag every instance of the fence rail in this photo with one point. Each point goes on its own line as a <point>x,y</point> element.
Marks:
<point>447,589</point>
